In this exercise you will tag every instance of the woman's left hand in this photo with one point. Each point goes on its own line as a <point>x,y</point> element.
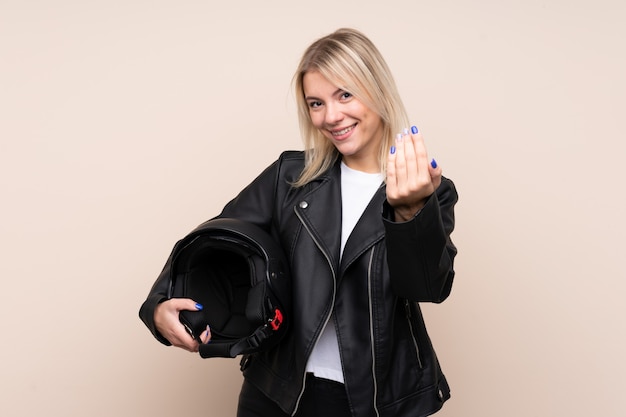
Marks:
<point>411,177</point>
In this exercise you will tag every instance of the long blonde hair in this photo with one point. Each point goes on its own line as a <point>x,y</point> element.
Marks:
<point>350,59</point>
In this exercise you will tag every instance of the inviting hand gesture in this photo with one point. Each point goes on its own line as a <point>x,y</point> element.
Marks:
<point>411,177</point>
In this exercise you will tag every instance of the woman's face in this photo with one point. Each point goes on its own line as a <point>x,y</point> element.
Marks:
<point>354,129</point>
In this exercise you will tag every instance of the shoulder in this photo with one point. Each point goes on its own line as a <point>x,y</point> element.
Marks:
<point>290,164</point>
<point>293,156</point>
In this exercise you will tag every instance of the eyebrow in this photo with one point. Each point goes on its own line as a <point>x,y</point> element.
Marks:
<point>337,91</point>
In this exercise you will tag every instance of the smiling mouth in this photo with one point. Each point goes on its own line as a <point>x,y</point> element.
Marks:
<point>342,131</point>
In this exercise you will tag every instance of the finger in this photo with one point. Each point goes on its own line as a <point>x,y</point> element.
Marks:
<point>421,156</point>
<point>186,304</point>
<point>391,166</point>
<point>400,162</point>
<point>180,337</point>
<point>168,323</point>
<point>435,172</point>
<point>205,337</point>
<point>412,159</point>
<point>186,342</point>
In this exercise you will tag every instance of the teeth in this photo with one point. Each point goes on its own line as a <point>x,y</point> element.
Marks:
<point>343,131</point>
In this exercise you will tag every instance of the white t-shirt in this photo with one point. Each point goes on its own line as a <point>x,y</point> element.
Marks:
<point>357,189</point>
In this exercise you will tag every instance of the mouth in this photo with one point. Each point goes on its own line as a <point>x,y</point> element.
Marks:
<point>343,131</point>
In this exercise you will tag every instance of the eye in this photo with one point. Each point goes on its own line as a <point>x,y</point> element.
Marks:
<point>315,104</point>
<point>345,95</point>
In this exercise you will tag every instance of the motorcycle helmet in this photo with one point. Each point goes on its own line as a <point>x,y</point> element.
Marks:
<point>239,273</point>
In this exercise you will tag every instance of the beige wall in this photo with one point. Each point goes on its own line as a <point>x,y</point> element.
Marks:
<point>123,124</point>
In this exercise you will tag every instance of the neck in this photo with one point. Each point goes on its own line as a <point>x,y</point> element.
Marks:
<point>363,165</point>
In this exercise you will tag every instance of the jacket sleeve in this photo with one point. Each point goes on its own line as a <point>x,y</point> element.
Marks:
<point>254,204</point>
<point>420,253</point>
<point>158,294</point>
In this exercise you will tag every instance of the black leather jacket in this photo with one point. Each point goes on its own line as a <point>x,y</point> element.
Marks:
<point>387,267</point>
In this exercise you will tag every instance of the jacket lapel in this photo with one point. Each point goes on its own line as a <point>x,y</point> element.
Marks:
<point>321,214</point>
<point>368,230</point>
<point>320,210</point>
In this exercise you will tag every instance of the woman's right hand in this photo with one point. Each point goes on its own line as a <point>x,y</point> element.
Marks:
<point>167,322</point>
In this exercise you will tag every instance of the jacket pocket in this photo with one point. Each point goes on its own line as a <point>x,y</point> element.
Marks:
<point>414,339</point>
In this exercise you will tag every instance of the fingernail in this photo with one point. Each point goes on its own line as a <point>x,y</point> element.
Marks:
<point>414,129</point>
<point>433,163</point>
<point>405,131</point>
<point>393,150</point>
<point>399,137</point>
<point>199,306</point>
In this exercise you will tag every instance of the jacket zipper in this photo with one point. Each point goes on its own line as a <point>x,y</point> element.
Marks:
<point>371,308</point>
<point>407,307</point>
<point>333,303</point>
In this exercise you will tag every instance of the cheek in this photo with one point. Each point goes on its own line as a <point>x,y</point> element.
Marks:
<point>373,120</point>
<point>317,119</point>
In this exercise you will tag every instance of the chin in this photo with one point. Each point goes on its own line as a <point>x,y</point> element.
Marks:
<point>345,150</point>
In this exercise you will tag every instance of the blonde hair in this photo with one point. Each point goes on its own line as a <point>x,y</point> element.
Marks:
<point>349,59</point>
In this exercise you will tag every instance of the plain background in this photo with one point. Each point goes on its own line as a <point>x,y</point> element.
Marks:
<point>124,124</point>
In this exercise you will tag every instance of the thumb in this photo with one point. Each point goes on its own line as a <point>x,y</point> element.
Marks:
<point>187,304</point>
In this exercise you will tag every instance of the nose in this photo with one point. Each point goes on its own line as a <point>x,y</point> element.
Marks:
<point>333,114</point>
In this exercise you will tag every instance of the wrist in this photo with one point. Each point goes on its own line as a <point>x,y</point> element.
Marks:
<point>405,213</point>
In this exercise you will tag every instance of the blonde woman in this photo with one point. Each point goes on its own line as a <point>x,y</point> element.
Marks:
<point>364,216</point>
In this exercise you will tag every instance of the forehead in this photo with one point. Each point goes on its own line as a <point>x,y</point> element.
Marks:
<point>314,83</point>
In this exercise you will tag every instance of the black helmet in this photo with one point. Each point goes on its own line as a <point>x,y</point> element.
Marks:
<point>239,273</point>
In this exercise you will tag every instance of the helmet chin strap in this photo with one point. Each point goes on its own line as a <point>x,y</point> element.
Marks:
<point>229,349</point>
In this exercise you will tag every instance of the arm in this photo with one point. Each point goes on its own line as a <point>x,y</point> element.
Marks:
<point>419,218</point>
<point>254,204</point>
<point>420,253</point>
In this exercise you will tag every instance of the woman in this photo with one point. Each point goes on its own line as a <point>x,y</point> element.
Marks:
<point>365,218</point>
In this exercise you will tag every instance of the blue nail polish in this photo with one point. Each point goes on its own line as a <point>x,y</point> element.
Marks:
<point>433,163</point>
<point>199,306</point>
<point>393,150</point>
<point>414,129</point>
